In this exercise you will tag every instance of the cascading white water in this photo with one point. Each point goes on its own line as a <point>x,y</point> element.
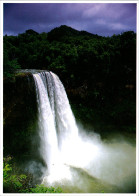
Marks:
<point>47,131</point>
<point>57,124</point>
<point>65,121</point>
<point>63,146</point>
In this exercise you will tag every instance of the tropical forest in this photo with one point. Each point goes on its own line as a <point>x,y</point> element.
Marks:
<point>69,112</point>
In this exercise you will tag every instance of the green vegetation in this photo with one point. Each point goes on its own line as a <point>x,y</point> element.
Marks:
<point>19,183</point>
<point>99,74</point>
<point>42,189</point>
<point>12,182</point>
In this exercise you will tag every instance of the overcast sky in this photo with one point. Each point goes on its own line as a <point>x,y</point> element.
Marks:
<point>98,18</point>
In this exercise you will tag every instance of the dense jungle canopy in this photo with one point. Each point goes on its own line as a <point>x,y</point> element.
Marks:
<point>99,73</point>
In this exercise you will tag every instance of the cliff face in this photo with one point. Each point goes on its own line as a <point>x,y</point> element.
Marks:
<point>19,113</point>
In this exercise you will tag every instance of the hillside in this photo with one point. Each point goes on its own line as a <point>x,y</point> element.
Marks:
<point>62,32</point>
<point>99,73</point>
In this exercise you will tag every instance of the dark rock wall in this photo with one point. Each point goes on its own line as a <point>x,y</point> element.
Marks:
<point>20,114</point>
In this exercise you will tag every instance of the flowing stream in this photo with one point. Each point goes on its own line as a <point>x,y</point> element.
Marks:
<point>77,161</point>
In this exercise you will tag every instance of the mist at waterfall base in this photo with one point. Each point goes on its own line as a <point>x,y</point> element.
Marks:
<point>77,160</point>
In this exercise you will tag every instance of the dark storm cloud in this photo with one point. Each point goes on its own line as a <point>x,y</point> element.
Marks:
<point>98,18</point>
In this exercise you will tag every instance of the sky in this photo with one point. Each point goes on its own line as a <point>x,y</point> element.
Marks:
<point>103,19</point>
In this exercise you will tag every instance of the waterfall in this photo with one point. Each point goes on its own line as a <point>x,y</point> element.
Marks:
<point>56,122</point>
<point>69,154</point>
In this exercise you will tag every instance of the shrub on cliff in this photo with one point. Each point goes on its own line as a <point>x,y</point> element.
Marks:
<point>14,182</point>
